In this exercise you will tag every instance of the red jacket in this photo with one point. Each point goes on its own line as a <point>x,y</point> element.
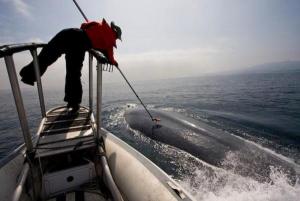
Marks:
<point>102,37</point>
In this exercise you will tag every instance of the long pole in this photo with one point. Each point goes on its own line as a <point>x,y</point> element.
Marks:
<point>86,19</point>
<point>153,119</point>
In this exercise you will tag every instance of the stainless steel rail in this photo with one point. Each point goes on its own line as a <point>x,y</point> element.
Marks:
<point>91,82</point>
<point>18,101</point>
<point>108,178</point>
<point>100,61</point>
<point>38,81</point>
<point>99,99</point>
<point>7,52</point>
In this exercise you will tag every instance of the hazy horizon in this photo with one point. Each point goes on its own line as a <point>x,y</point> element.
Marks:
<point>164,39</point>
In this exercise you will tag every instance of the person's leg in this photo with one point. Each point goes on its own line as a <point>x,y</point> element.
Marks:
<point>58,45</point>
<point>73,87</point>
<point>74,62</point>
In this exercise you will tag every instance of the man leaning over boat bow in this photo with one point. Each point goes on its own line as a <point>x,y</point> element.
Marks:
<point>74,43</point>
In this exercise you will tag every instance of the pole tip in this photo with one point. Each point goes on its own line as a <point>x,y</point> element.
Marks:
<point>156,120</point>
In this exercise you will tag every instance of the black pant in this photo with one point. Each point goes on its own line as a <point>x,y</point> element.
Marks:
<point>73,43</point>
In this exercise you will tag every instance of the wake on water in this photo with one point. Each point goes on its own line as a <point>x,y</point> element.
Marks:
<point>202,180</point>
<point>224,185</point>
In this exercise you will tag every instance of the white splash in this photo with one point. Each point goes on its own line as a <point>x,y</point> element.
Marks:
<point>223,185</point>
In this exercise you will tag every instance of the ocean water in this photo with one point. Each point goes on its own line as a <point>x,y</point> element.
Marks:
<point>263,109</point>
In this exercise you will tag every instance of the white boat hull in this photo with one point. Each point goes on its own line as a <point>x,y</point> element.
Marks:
<point>137,178</point>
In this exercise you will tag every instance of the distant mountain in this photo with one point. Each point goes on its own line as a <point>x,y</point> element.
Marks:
<point>274,67</point>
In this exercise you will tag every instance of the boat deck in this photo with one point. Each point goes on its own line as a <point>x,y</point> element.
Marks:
<point>65,132</point>
<point>78,196</point>
<point>88,192</point>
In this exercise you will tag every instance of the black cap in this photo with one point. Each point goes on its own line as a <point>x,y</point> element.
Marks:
<point>117,29</point>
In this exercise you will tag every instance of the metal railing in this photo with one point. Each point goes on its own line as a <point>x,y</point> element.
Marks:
<point>100,61</point>
<point>7,52</point>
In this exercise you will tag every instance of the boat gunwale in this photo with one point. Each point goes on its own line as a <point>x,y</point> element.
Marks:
<point>154,169</point>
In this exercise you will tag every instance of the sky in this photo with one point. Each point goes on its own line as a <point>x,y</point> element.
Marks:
<point>165,38</point>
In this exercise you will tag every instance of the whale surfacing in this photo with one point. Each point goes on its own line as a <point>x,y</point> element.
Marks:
<point>207,143</point>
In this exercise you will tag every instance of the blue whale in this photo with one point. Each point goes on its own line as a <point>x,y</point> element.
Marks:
<point>211,145</point>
